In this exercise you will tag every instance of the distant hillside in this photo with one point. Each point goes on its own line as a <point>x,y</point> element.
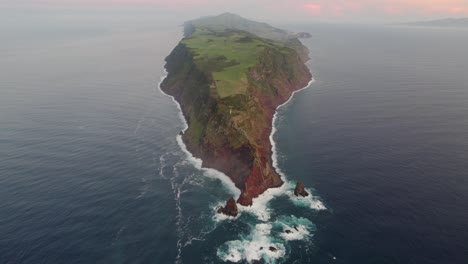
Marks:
<point>229,21</point>
<point>233,21</point>
<point>448,22</point>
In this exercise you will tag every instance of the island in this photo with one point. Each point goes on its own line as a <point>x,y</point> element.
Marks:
<point>229,74</point>
<point>441,23</point>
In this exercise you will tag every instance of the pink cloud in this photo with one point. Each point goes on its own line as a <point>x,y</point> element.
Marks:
<point>456,10</point>
<point>314,7</point>
<point>355,5</point>
<point>337,9</point>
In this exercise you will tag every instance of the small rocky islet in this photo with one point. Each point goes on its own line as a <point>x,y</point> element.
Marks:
<point>300,190</point>
<point>230,209</point>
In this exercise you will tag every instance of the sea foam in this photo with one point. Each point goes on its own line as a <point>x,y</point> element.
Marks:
<point>274,150</point>
<point>267,241</point>
<point>310,201</point>
<point>294,228</point>
<point>258,245</point>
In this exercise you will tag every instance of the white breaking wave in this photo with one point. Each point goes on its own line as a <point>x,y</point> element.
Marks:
<point>264,244</point>
<point>310,201</point>
<point>259,206</point>
<point>259,245</point>
<point>294,228</point>
<point>274,155</point>
<point>209,172</point>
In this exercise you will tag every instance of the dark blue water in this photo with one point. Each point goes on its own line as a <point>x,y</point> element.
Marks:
<point>383,136</point>
<point>82,128</point>
<point>91,172</point>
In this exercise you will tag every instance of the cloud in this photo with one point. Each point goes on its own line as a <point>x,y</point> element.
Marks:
<point>340,10</point>
<point>313,6</point>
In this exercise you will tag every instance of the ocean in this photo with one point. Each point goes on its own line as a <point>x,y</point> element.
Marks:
<point>92,170</point>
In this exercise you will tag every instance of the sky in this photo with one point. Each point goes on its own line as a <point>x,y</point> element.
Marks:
<point>352,11</point>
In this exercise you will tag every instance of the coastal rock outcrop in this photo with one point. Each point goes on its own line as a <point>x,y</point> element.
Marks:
<point>300,191</point>
<point>303,35</point>
<point>229,209</point>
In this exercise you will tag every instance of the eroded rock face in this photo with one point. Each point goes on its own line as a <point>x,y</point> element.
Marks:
<point>300,191</point>
<point>229,209</point>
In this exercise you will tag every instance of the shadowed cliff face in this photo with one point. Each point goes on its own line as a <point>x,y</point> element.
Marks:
<point>231,133</point>
<point>272,80</point>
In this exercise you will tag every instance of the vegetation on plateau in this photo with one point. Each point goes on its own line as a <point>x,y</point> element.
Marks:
<point>227,55</point>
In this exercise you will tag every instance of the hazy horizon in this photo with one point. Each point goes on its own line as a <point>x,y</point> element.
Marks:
<point>298,11</point>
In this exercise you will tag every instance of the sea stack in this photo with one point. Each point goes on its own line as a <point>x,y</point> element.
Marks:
<point>230,209</point>
<point>300,190</point>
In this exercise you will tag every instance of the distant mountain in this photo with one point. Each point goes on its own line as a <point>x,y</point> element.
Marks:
<point>230,21</point>
<point>233,21</point>
<point>448,22</point>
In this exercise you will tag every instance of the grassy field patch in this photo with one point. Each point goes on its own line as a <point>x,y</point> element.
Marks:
<point>227,56</point>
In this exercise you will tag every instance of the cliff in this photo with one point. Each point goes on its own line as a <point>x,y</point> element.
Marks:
<point>229,82</point>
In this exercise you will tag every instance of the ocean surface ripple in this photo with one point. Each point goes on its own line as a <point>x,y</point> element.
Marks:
<point>91,169</point>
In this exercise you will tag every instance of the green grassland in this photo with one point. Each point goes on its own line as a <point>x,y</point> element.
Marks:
<point>227,55</point>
